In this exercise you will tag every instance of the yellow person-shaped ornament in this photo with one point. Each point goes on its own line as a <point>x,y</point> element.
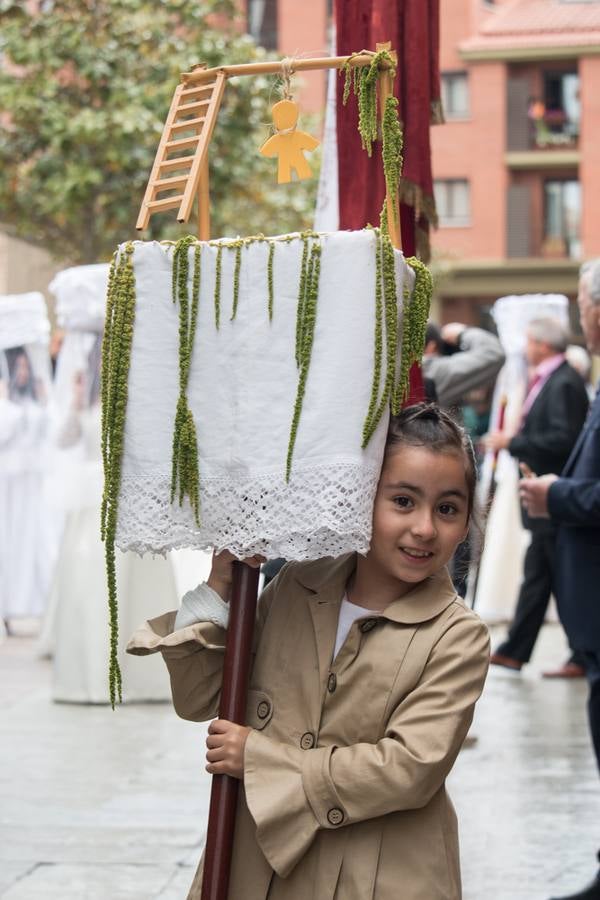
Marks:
<point>288,144</point>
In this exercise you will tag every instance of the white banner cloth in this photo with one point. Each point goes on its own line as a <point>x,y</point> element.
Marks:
<point>23,320</point>
<point>242,391</point>
<point>80,293</point>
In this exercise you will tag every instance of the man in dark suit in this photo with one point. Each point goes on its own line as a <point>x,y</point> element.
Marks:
<point>572,503</point>
<point>553,414</point>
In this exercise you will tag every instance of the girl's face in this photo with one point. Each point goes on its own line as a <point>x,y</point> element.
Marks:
<point>420,513</point>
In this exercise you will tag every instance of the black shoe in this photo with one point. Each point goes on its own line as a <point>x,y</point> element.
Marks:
<point>591,892</point>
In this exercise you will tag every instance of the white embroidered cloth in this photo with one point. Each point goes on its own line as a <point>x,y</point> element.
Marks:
<point>23,320</point>
<point>242,391</point>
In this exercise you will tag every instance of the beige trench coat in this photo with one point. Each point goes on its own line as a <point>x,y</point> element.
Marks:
<point>343,795</point>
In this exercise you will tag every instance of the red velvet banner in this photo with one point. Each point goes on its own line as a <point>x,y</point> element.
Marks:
<point>412,26</point>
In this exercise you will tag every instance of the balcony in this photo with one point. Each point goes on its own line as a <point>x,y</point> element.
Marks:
<point>543,113</point>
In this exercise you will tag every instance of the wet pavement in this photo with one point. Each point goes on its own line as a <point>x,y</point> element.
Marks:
<point>112,806</point>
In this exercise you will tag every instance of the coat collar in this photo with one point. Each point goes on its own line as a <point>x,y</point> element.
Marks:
<point>328,577</point>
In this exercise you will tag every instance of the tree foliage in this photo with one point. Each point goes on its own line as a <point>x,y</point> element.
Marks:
<point>85,86</point>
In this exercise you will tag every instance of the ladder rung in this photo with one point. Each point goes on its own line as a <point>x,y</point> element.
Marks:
<point>188,123</point>
<point>179,163</point>
<point>167,183</point>
<point>200,88</point>
<point>192,107</point>
<point>167,203</point>
<point>184,142</point>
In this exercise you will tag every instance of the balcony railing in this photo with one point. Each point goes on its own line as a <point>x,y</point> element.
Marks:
<point>551,127</point>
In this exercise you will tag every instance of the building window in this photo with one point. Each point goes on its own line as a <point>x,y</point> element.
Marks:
<point>455,95</point>
<point>562,217</point>
<point>262,22</point>
<point>556,115</point>
<point>453,202</point>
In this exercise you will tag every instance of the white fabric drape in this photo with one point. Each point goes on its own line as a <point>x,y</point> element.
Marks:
<point>242,391</point>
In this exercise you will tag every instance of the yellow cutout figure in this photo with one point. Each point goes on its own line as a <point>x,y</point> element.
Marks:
<point>287,144</point>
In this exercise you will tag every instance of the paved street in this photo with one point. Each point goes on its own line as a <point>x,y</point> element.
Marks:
<point>96,805</point>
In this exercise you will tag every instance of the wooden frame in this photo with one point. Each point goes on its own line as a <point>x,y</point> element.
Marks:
<point>193,113</point>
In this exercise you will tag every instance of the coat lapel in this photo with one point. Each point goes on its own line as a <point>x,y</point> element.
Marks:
<point>326,581</point>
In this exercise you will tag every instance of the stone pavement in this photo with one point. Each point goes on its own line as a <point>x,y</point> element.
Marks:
<point>96,805</point>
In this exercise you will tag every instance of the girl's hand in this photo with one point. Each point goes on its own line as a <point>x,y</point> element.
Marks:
<point>221,572</point>
<point>226,742</point>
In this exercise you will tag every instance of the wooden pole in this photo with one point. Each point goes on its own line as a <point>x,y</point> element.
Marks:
<point>204,203</point>
<point>236,671</point>
<point>199,75</point>
<point>386,89</point>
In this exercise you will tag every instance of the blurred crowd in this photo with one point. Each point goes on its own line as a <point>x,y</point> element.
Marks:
<point>525,396</point>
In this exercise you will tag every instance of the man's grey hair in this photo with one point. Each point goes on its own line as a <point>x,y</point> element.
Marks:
<point>549,331</point>
<point>591,272</point>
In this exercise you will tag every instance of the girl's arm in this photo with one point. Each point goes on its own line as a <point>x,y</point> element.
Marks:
<point>193,650</point>
<point>292,793</point>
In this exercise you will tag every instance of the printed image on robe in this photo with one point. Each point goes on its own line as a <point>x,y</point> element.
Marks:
<point>25,529</point>
<point>279,358</point>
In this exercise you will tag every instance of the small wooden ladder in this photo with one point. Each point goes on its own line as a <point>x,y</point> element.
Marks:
<point>182,157</point>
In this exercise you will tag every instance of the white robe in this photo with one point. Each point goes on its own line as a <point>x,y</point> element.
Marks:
<point>25,539</point>
<point>77,626</point>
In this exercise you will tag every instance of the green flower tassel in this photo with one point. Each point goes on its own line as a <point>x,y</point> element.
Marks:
<point>184,467</point>
<point>305,332</point>
<point>414,323</point>
<point>116,358</point>
<point>362,80</point>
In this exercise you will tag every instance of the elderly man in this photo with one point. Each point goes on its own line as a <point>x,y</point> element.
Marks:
<point>553,414</point>
<point>572,503</point>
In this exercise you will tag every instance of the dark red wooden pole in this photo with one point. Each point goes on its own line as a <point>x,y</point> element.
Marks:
<point>236,670</point>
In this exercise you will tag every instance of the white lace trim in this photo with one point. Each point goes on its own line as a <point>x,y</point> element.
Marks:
<point>325,510</point>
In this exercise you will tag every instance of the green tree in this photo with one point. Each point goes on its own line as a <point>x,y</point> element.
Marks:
<point>85,86</point>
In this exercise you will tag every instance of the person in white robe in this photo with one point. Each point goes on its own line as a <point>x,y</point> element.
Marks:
<point>24,570</point>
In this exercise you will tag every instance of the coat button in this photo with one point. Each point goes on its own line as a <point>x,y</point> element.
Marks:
<point>263,709</point>
<point>335,816</point>
<point>332,683</point>
<point>307,741</point>
<point>368,625</point>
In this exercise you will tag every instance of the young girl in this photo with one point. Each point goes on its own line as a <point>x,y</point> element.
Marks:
<point>366,673</point>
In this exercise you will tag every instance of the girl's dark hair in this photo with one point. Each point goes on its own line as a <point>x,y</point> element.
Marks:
<point>426,425</point>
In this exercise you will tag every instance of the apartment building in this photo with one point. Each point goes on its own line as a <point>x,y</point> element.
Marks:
<point>517,163</point>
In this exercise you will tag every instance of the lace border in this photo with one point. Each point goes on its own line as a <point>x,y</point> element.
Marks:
<point>323,511</point>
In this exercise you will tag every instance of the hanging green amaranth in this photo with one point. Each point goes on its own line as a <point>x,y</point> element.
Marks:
<point>301,298</point>
<point>415,317</point>
<point>369,425</point>
<point>363,82</point>
<point>391,151</point>
<point>385,285</point>
<point>184,471</point>
<point>236,276</point>
<point>270,278</point>
<point>307,326</point>
<point>116,357</point>
<point>218,286</point>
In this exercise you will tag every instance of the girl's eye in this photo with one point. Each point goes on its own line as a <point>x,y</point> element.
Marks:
<point>403,502</point>
<point>447,509</point>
